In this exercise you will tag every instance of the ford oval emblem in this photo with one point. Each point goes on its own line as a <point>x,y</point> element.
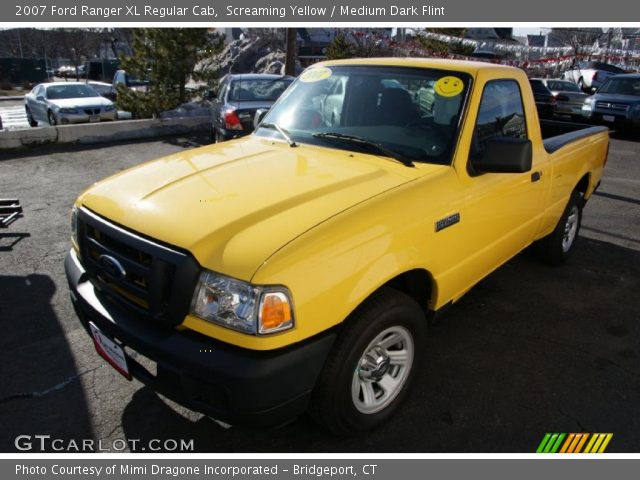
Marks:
<point>112,266</point>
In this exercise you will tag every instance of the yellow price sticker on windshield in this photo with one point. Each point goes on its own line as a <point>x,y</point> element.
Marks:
<point>315,74</point>
<point>449,86</point>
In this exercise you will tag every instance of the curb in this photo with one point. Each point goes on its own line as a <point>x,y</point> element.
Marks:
<point>17,98</point>
<point>94,133</point>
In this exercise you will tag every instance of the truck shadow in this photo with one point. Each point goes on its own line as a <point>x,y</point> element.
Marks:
<point>530,349</point>
<point>39,393</point>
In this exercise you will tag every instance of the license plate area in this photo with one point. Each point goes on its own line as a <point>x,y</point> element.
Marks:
<point>111,351</point>
<point>94,118</point>
<point>608,118</point>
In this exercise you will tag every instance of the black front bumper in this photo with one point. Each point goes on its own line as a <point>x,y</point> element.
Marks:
<point>235,385</point>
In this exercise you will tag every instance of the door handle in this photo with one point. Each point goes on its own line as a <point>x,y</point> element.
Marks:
<point>535,176</point>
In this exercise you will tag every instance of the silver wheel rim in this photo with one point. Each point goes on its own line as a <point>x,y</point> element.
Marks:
<point>382,370</point>
<point>570,229</point>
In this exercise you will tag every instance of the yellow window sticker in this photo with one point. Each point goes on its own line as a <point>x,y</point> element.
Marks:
<point>315,74</point>
<point>449,86</point>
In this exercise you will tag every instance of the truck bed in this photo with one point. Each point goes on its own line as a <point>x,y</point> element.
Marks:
<point>557,134</point>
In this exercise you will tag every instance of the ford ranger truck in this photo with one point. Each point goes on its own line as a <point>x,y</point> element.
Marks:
<point>295,269</point>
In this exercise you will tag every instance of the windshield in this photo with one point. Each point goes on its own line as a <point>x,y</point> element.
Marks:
<point>55,92</point>
<point>622,86</point>
<point>413,112</point>
<point>562,86</point>
<point>266,90</point>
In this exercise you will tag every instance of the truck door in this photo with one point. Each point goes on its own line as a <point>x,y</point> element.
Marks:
<point>501,211</point>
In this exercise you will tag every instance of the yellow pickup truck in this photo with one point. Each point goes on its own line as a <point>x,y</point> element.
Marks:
<point>296,269</point>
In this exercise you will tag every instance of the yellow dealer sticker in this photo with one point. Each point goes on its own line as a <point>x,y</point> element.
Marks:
<point>315,74</point>
<point>449,86</point>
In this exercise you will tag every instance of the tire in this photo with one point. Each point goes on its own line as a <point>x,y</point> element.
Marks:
<point>361,384</point>
<point>581,84</point>
<point>52,118</point>
<point>556,247</point>
<point>32,122</point>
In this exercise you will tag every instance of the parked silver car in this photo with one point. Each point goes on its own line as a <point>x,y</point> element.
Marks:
<point>590,75</point>
<point>569,98</point>
<point>62,103</point>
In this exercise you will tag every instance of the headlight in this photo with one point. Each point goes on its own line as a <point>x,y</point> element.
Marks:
<point>109,108</point>
<point>74,224</point>
<point>636,108</point>
<point>242,306</point>
<point>68,110</point>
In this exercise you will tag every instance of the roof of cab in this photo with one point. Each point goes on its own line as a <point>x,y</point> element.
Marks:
<point>457,65</point>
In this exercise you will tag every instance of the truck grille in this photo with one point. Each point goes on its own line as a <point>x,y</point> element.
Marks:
<point>142,276</point>
<point>620,107</point>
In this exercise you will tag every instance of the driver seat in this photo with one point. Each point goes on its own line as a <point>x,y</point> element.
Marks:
<point>396,107</point>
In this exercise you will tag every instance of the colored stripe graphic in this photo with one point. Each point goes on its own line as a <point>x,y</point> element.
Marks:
<point>553,443</point>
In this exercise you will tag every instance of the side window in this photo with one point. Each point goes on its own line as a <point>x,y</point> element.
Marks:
<point>501,114</point>
<point>119,78</point>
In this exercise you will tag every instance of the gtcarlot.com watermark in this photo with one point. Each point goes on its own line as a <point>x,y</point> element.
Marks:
<point>47,443</point>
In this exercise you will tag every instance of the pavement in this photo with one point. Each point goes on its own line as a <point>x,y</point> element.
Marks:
<point>531,349</point>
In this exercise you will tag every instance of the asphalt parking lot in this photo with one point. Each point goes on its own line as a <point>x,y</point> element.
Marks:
<point>531,349</point>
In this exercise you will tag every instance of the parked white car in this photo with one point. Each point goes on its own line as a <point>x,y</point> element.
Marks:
<point>62,103</point>
<point>590,75</point>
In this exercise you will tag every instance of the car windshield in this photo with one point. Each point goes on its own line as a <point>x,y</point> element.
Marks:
<point>413,113</point>
<point>56,92</point>
<point>562,86</point>
<point>538,87</point>
<point>263,90</point>
<point>622,86</point>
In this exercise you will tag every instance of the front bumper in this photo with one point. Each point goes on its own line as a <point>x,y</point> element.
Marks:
<point>229,383</point>
<point>71,118</point>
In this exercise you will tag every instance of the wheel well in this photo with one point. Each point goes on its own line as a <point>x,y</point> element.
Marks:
<point>418,284</point>
<point>583,184</point>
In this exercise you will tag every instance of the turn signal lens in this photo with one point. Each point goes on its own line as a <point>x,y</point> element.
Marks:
<point>275,313</point>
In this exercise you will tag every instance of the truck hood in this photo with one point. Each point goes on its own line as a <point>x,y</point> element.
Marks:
<point>234,204</point>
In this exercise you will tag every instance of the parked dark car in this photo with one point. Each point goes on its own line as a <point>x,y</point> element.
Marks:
<point>122,77</point>
<point>616,103</point>
<point>569,97</point>
<point>545,101</point>
<point>238,98</point>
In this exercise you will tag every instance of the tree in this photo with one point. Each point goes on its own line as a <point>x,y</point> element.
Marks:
<point>581,40</point>
<point>166,57</point>
<point>340,47</point>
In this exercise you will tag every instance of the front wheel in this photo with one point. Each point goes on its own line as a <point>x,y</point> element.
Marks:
<point>52,118</point>
<point>32,122</point>
<point>556,247</point>
<point>370,369</point>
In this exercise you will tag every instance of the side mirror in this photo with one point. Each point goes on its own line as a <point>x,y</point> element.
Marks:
<point>259,115</point>
<point>504,155</point>
<point>210,95</point>
<point>40,98</point>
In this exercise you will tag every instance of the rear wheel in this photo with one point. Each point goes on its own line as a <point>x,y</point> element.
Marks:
<point>581,84</point>
<point>370,369</point>
<point>556,247</point>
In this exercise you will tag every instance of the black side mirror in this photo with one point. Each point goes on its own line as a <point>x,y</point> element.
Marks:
<point>40,98</point>
<point>210,95</point>
<point>504,155</point>
<point>259,115</point>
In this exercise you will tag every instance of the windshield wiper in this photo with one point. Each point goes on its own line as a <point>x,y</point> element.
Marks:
<point>367,143</point>
<point>281,131</point>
